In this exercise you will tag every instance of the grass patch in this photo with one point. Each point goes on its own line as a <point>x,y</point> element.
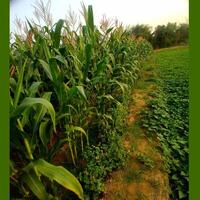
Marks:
<point>132,175</point>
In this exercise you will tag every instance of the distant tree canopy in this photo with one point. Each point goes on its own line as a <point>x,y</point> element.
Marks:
<point>163,35</point>
<point>142,30</point>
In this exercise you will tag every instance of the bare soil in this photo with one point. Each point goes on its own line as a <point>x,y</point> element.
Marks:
<point>137,180</point>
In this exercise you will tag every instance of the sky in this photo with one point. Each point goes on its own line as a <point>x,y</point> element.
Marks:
<point>129,12</point>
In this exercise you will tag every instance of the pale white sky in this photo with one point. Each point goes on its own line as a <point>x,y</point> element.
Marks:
<point>129,12</point>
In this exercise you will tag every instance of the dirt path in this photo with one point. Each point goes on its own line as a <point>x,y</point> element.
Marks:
<point>143,177</point>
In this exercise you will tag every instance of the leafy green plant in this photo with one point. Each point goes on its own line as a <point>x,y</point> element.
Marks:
<point>147,161</point>
<point>166,117</point>
<point>101,160</point>
<point>55,173</point>
<point>132,175</point>
<point>68,95</point>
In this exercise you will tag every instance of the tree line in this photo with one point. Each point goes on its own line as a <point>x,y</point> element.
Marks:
<point>162,36</point>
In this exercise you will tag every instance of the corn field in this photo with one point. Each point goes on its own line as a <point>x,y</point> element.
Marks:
<point>69,91</point>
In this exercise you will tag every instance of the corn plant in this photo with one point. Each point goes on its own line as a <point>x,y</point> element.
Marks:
<point>65,89</point>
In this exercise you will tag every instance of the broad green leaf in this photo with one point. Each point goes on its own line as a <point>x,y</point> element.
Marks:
<point>29,102</point>
<point>101,66</point>
<point>81,91</point>
<point>46,68</point>
<point>46,49</point>
<point>77,65</point>
<point>60,175</point>
<point>181,194</point>
<point>108,117</point>
<point>107,96</point>
<point>90,19</point>
<point>19,84</point>
<point>109,68</point>
<point>43,132</point>
<point>34,88</point>
<point>110,98</point>
<point>55,71</point>
<point>72,108</point>
<point>88,57</point>
<point>57,33</point>
<point>73,92</point>
<point>122,86</point>
<point>77,128</point>
<point>40,111</point>
<point>13,84</point>
<point>62,60</point>
<point>62,116</point>
<point>84,31</point>
<point>35,185</point>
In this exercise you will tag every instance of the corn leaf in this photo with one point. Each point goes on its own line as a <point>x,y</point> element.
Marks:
<point>43,132</point>
<point>61,59</point>
<point>40,111</point>
<point>46,69</point>
<point>34,88</point>
<point>57,33</point>
<point>35,185</point>
<point>55,70</point>
<point>19,84</point>
<point>29,102</point>
<point>81,91</point>
<point>74,90</point>
<point>60,175</point>
<point>77,128</point>
<point>90,18</point>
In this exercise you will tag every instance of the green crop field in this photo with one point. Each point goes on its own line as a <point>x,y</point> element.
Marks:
<point>168,115</point>
<point>70,95</point>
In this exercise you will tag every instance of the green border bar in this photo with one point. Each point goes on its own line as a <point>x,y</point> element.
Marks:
<point>4,100</point>
<point>194,100</point>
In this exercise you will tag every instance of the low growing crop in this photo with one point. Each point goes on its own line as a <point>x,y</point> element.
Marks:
<point>167,117</point>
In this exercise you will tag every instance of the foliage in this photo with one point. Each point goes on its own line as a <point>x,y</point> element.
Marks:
<point>66,90</point>
<point>170,35</point>
<point>142,30</point>
<point>167,116</point>
<point>163,35</point>
<point>182,33</point>
<point>101,160</point>
<point>147,161</point>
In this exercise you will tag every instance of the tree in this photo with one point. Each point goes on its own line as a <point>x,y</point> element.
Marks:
<point>182,33</point>
<point>159,36</point>
<point>170,35</point>
<point>142,30</point>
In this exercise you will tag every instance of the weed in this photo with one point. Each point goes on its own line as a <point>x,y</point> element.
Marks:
<point>132,175</point>
<point>146,160</point>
